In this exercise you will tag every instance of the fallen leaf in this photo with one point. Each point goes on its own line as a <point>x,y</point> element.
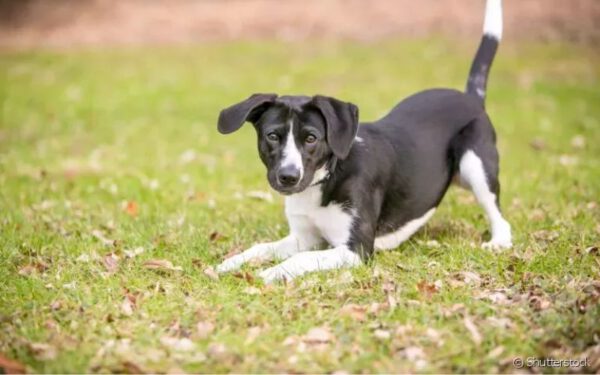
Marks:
<point>211,273</point>
<point>252,290</point>
<point>234,251</point>
<point>546,235</point>
<point>131,208</point>
<point>204,329</point>
<point>217,351</point>
<point>244,276</point>
<point>10,366</point>
<point>178,344</point>
<point>496,352</point>
<point>216,236</point>
<point>161,265</point>
<point>354,311</point>
<point>43,352</point>
<point>539,303</point>
<point>537,144</point>
<point>318,335</point>
<point>427,289</point>
<point>472,328</point>
<point>132,368</point>
<point>260,195</point>
<point>27,270</point>
<point>134,252</point>
<point>252,335</point>
<point>100,237</point>
<point>412,353</point>
<point>128,304</point>
<point>111,262</point>
<point>578,142</point>
<point>382,334</point>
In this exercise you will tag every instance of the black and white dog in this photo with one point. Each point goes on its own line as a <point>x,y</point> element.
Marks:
<point>370,187</point>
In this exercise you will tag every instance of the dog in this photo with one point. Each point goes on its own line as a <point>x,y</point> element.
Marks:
<point>371,187</point>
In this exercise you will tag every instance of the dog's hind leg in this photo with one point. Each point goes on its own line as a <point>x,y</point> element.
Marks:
<point>478,171</point>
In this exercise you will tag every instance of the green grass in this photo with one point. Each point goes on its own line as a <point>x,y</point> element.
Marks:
<point>84,132</point>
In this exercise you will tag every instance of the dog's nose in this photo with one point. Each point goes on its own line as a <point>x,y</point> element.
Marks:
<point>288,176</point>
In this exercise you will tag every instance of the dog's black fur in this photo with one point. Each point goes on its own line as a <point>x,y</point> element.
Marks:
<point>389,171</point>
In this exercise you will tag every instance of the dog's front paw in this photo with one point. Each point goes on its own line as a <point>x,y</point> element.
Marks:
<point>230,264</point>
<point>273,274</point>
<point>497,244</point>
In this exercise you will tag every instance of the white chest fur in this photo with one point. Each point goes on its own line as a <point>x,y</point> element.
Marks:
<point>307,217</point>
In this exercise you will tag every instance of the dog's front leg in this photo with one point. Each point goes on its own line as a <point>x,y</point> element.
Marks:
<point>358,246</point>
<point>302,237</point>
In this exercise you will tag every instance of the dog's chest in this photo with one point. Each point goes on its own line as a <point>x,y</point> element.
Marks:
<point>305,213</point>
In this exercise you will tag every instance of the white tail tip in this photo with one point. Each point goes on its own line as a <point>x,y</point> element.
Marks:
<point>492,25</point>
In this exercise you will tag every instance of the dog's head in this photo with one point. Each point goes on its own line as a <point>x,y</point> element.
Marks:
<point>297,135</point>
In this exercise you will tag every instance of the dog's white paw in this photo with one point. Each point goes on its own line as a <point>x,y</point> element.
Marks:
<point>501,237</point>
<point>276,273</point>
<point>230,264</point>
<point>496,244</point>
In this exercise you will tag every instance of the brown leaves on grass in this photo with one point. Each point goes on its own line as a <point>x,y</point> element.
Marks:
<point>130,208</point>
<point>162,265</point>
<point>43,352</point>
<point>10,366</point>
<point>428,289</point>
<point>354,311</point>
<point>111,262</point>
<point>38,266</point>
<point>216,236</point>
<point>318,335</point>
<point>472,328</point>
<point>211,273</point>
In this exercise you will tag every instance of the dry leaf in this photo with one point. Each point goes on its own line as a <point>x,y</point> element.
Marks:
<point>111,262</point>
<point>178,344</point>
<point>472,328</point>
<point>27,270</point>
<point>578,142</point>
<point>161,265</point>
<point>496,352</point>
<point>43,352</point>
<point>134,252</point>
<point>539,303</point>
<point>216,236</point>
<point>427,289</point>
<point>128,304</point>
<point>382,334</point>
<point>245,276</point>
<point>252,290</point>
<point>100,237</point>
<point>204,329</point>
<point>211,273</point>
<point>354,311</point>
<point>131,208</point>
<point>10,366</point>
<point>318,335</point>
<point>252,335</point>
<point>260,195</point>
<point>537,144</point>
<point>217,351</point>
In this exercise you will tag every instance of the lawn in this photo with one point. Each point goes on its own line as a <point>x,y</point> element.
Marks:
<point>118,196</point>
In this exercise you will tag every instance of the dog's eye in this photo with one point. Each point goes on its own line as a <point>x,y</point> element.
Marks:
<point>273,137</point>
<point>310,139</point>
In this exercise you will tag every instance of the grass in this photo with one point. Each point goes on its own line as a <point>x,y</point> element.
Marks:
<point>103,152</point>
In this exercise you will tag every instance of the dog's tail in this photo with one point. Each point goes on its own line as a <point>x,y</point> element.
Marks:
<point>492,33</point>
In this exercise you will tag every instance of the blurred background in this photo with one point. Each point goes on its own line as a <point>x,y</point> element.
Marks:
<point>64,23</point>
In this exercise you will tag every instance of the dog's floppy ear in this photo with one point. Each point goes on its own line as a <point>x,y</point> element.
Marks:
<point>342,123</point>
<point>232,118</point>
